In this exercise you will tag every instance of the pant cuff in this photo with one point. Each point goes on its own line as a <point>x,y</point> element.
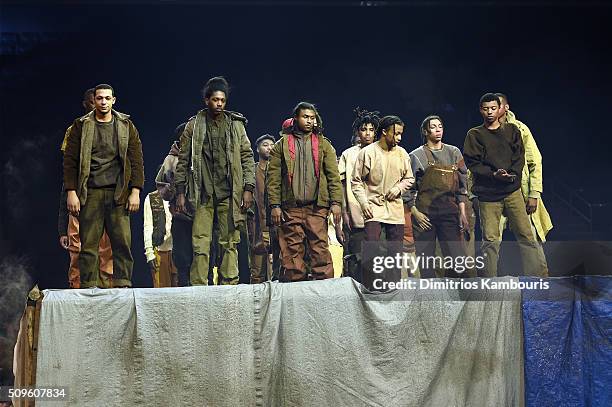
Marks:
<point>121,283</point>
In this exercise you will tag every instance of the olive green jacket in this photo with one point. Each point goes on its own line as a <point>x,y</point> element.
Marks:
<point>277,181</point>
<point>239,159</point>
<point>77,156</point>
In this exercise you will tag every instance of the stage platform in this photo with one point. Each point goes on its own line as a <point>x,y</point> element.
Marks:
<point>324,343</point>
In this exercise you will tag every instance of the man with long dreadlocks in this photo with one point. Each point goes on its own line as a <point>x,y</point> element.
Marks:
<point>303,186</point>
<point>364,129</point>
<point>381,175</point>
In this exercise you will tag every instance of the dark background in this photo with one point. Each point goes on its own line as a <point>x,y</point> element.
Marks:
<point>409,59</point>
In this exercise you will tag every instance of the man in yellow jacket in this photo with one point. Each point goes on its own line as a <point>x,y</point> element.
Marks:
<point>531,181</point>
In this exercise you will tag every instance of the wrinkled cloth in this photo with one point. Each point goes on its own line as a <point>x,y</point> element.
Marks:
<point>315,343</point>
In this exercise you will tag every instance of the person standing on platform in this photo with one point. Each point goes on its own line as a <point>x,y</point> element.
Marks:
<point>68,226</point>
<point>303,186</point>
<point>215,174</point>
<point>261,266</point>
<point>157,234</point>
<point>103,176</point>
<point>495,155</point>
<point>353,225</point>
<point>437,198</point>
<point>182,222</point>
<point>381,175</point>
<point>531,182</point>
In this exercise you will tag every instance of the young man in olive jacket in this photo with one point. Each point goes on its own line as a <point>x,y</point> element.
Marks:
<point>303,186</point>
<point>215,174</point>
<point>68,226</point>
<point>103,176</point>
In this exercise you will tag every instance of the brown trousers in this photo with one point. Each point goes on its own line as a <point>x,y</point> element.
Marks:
<point>261,266</point>
<point>306,223</point>
<point>74,247</point>
<point>409,244</point>
<point>166,275</point>
<point>375,247</point>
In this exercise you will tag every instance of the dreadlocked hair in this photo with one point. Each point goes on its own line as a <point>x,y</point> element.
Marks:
<point>387,122</point>
<point>365,117</point>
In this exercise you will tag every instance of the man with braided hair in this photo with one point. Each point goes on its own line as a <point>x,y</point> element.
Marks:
<point>215,173</point>
<point>364,129</point>
<point>381,175</point>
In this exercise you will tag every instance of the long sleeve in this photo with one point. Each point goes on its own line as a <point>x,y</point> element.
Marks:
<point>72,157</point>
<point>343,180</point>
<point>147,230</point>
<point>273,177</point>
<point>248,163</point>
<point>184,158</point>
<point>164,180</point>
<point>518,152</point>
<point>473,153</point>
<point>135,157</point>
<point>360,172</point>
<point>409,197</point>
<point>330,167</point>
<point>462,192</point>
<point>533,161</point>
<point>407,177</point>
<point>470,185</point>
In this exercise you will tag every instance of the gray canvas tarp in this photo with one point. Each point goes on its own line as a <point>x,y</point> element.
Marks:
<point>319,343</point>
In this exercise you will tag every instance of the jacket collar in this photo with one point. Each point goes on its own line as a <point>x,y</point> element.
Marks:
<point>510,117</point>
<point>229,114</point>
<point>118,115</point>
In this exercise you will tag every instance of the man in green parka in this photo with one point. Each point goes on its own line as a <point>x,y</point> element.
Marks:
<point>215,173</point>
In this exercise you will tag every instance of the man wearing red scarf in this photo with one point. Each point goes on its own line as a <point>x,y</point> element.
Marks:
<point>303,187</point>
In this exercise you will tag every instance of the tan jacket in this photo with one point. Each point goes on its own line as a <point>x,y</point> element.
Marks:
<point>531,182</point>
